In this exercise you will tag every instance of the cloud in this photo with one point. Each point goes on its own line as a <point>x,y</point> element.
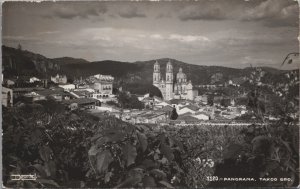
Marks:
<point>198,13</point>
<point>131,12</point>
<point>274,13</point>
<point>163,15</point>
<point>248,60</point>
<point>188,38</point>
<point>74,10</point>
<point>156,36</point>
<point>271,13</point>
<point>48,32</point>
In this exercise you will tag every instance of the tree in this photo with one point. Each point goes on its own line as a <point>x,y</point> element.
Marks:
<point>210,100</point>
<point>154,91</point>
<point>129,101</point>
<point>8,99</point>
<point>174,114</point>
<point>225,102</point>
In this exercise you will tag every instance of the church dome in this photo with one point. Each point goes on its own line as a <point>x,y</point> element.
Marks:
<point>181,77</point>
<point>189,86</point>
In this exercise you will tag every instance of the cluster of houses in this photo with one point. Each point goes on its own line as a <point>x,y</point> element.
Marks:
<point>236,82</point>
<point>93,91</point>
<point>158,111</point>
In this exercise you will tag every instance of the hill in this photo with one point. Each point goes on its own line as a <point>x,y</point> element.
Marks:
<point>17,62</point>
<point>109,67</point>
<point>69,60</point>
<point>135,77</point>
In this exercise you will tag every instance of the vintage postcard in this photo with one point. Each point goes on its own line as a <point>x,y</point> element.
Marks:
<point>150,94</point>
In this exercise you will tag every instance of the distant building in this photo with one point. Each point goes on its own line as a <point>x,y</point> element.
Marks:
<point>56,94</point>
<point>104,97</point>
<point>33,79</point>
<point>170,89</point>
<point>81,93</point>
<point>237,81</point>
<point>189,108</point>
<point>67,87</point>
<point>210,86</point>
<point>9,82</point>
<point>103,84</point>
<point>187,119</point>
<point>151,102</point>
<point>59,79</point>
<point>203,99</point>
<point>7,97</point>
<point>86,103</point>
<point>202,116</point>
<point>149,117</point>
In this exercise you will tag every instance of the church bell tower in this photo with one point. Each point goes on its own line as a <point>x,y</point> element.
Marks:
<point>169,81</point>
<point>156,74</point>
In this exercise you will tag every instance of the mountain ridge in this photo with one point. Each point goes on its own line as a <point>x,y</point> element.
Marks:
<point>128,74</point>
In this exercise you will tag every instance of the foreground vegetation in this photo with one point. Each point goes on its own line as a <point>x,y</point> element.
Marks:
<point>76,149</point>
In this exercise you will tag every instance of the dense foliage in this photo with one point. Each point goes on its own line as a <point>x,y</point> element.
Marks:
<point>40,138</point>
<point>76,149</point>
<point>270,150</point>
<point>128,101</point>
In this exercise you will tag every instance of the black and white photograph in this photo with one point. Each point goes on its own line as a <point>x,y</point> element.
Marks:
<point>150,94</point>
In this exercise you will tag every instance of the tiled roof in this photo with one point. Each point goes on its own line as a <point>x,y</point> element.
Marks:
<point>82,93</point>
<point>149,115</point>
<point>167,108</point>
<point>187,118</point>
<point>186,114</point>
<point>203,113</point>
<point>27,89</point>
<point>176,101</point>
<point>80,101</point>
<point>191,107</point>
<point>48,92</point>
<point>148,98</point>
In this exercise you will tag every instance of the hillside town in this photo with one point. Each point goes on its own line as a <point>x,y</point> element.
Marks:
<point>143,94</point>
<point>95,94</point>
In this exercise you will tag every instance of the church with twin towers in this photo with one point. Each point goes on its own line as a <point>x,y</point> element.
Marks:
<point>178,88</point>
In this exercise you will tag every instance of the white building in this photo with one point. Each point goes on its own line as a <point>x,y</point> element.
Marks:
<point>187,109</point>
<point>33,79</point>
<point>60,79</point>
<point>201,116</point>
<point>67,87</point>
<point>103,84</point>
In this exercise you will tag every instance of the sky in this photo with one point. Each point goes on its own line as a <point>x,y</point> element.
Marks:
<point>232,33</point>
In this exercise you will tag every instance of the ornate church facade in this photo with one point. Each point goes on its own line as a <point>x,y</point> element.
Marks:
<point>178,88</point>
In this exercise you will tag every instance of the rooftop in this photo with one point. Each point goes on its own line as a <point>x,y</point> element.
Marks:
<point>48,92</point>
<point>191,107</point>
<point>82,93</point>
<point>80,101</point>
<point>187,118</point>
